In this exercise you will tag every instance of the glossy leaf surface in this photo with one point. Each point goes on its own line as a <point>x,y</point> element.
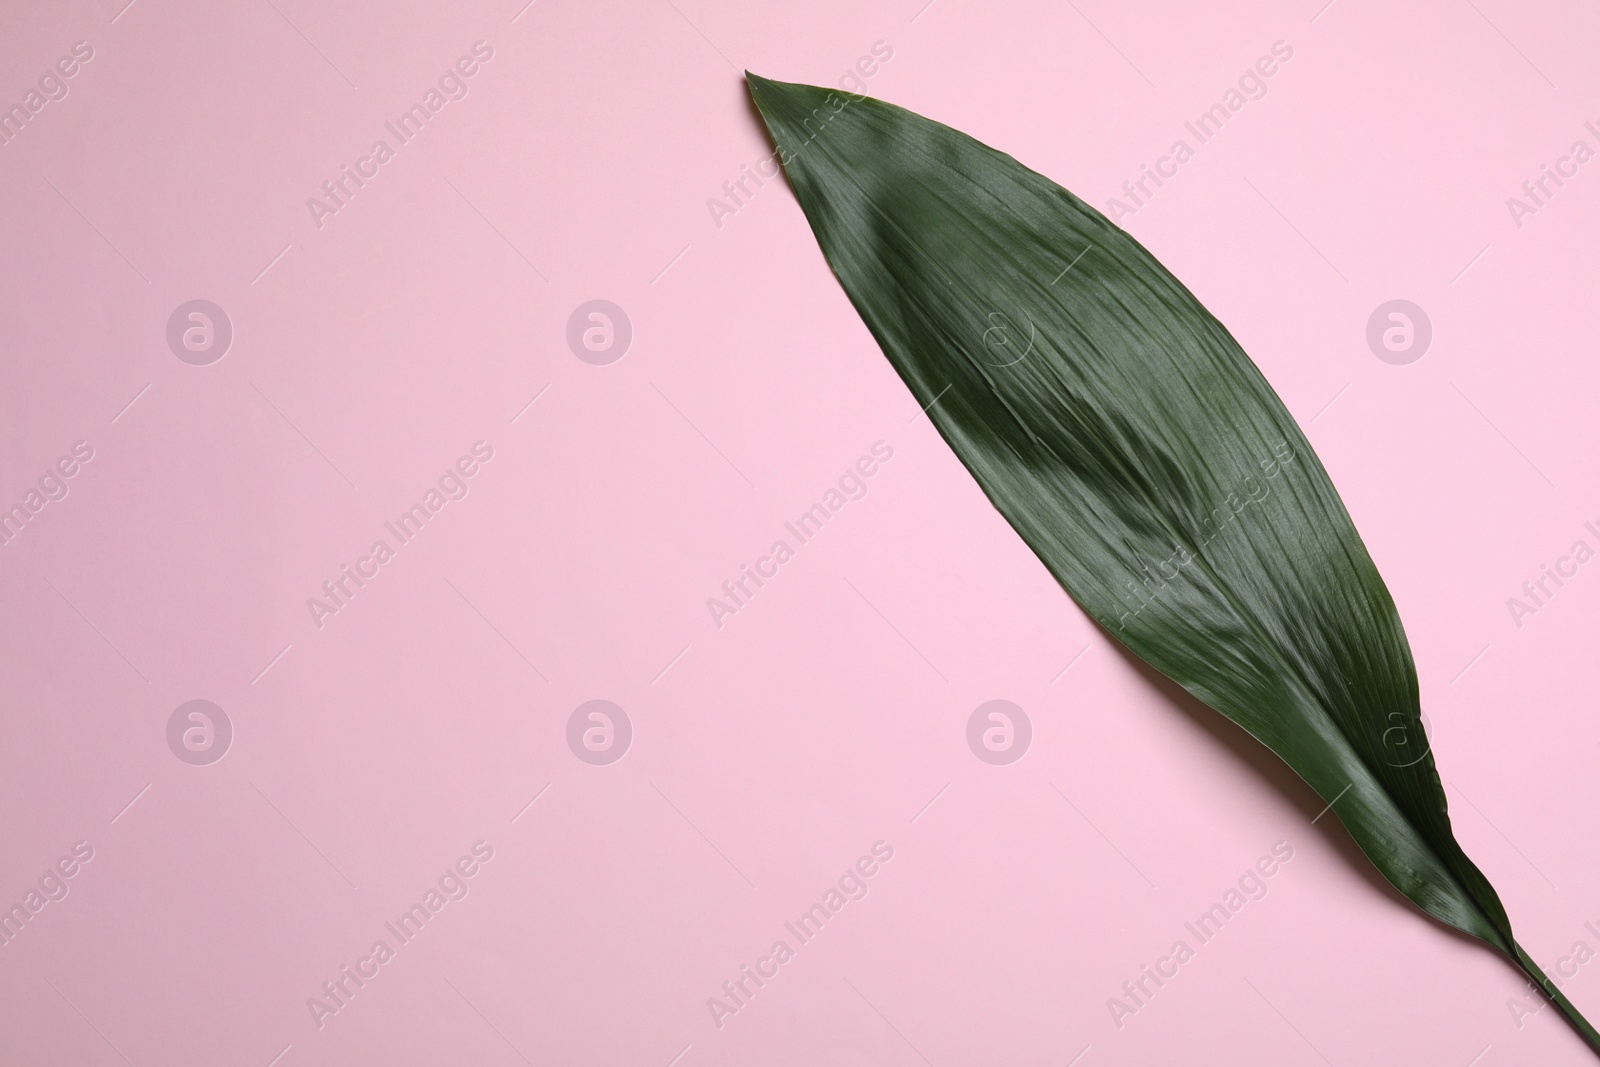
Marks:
<point>1134,446</point>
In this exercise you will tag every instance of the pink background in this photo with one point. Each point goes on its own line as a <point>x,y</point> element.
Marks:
<point>368,354</point>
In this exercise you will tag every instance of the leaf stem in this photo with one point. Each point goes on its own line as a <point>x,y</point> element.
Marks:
<point>1574,1016</point>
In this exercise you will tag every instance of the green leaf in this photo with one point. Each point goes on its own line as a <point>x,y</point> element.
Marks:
<point>1131,442</point>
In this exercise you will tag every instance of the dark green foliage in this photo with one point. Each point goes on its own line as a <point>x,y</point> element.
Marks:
<point>1134,446</point>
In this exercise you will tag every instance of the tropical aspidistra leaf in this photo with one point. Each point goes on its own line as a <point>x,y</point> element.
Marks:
<point>1130,441</point>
